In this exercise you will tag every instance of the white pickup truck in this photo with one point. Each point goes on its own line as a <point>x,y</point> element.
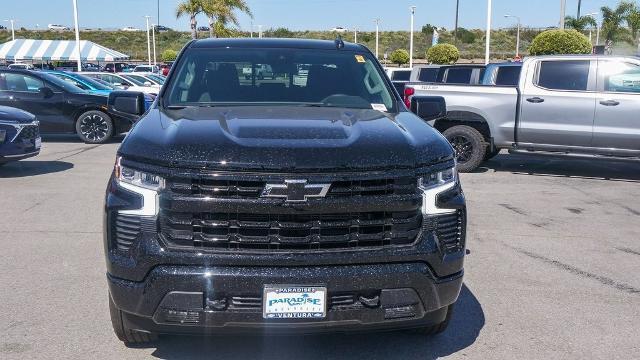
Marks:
<point>583,106</point>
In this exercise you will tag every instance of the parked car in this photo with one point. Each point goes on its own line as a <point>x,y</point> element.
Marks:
<point>448,74</point>
<point>19,135</point>
<point>59,106</point>
<point>130,29</point>
<point>203,28</point>
<point>2,27</point>
<point>581,106</point>
<point>160,28</point>
<point>233,205</point>
<point>56,27</point>
<point>115,67</point>
<point>146,68</point>
<point>165,68</point>
<point>83,82</point>
<point>155,79</point>
<point>129,68</point>
<point>21,66</point>
<point>124,82</point>
<point>506,74</point>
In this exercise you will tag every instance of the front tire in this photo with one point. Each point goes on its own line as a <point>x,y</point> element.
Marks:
<point>469,145</point>
<point>94,127</point>
<point>124,334</point>
<point>438,328</point>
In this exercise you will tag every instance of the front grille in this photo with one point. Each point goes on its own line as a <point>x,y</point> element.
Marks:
<point>29,133</point>
<point>448,231</point>
<point>290,231</point>
<point>252,189</point>
<point>336,301</point>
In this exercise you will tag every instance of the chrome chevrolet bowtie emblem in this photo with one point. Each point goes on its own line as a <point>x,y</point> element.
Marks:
<point>296,190</point>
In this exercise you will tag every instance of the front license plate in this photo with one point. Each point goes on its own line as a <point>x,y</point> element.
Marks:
<point>294,302</point>
<point>38,143</point>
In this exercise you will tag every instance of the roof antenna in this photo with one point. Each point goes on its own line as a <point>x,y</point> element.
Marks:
<point>339,42</point>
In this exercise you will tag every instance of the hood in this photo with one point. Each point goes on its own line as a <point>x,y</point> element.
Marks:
<point>284,138</point>
<point>17,115</point>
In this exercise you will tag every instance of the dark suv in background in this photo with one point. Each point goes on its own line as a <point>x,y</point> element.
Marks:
<point>311,202</point>
<point>61,107</point>
<point>19,135</point>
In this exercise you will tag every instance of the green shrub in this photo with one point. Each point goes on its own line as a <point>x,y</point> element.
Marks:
<point>553,42</point>
<point>443,54</point>
<point>169,55</point>
<point>400,57</point>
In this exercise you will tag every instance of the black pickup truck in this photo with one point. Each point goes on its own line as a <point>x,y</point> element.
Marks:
<point>313,201</point>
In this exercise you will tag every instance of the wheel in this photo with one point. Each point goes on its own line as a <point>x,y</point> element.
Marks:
<point>437,328</point>
<point>94,127</point>
<point>491,153</point>
<point>469,145</point>
<point>125,334</point>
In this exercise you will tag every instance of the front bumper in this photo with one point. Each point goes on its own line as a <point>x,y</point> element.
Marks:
<point>15,147</point>
<point>221,300</point>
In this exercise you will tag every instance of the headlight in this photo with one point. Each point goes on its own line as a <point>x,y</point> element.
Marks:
<point>434,184</point>
<point>142,183</point>
<point>138,178</point>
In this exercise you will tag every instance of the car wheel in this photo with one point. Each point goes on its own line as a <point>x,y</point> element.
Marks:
<point>491,153</point>
<point>94,127</point>
<point>469,146</point>
<point>438,328</point>
<point>124,334</point>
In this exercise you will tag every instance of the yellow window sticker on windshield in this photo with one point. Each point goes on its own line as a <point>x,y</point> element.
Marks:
<point>360,58</point>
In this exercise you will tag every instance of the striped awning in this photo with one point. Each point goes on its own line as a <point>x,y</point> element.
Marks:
<point>62,50</point>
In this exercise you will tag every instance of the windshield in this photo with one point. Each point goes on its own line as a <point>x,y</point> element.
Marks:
<point>132,79</point>
<point>156,78</point>
<point>311,77</point>
<point>83,82</point>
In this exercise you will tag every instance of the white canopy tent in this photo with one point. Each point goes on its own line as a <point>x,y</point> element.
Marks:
<point>57,50</point>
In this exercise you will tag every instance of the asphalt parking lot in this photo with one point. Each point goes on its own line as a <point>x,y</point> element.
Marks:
<point>553,270</point>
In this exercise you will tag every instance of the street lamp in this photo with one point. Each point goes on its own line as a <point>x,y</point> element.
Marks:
<point>148,40</point>
<point>13,34</point>
<point>487,49</point>
<point>518,34</point>
<point>563,6</point>
<point>413,12</point>
<point>377,21</point>
<point>355,35</point>
<point>75,18</point>
<point>593,15</point>
<point>153,35</point>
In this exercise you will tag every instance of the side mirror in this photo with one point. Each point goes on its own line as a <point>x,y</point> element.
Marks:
<point>429,108</point>
<point>129,104</point>
<point>46,92</point>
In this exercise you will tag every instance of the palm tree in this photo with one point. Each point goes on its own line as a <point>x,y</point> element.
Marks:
<point>612,21</point>
<point>190,8</point>
<point>633,22</point>
<point>221,13</point>
<point>580,23</point>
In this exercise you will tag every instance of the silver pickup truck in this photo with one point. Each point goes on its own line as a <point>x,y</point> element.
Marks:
<point>584,106</point>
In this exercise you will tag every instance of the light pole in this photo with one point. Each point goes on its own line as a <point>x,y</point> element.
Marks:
<point>593,15</point>
<point>455,32</point>
<point>377,21</point>
<point>355,35</point>
<point>75,19</point>
<point>413,12</point>
<point>153,36</point>
<point>563,6</point>
<point>13,34</point>
<point>260,31</point>
<point>148,40</point>
<point>487,49</point>
<point>518,33</point>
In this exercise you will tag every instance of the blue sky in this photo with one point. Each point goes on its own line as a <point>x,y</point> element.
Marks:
<point>298,14</point>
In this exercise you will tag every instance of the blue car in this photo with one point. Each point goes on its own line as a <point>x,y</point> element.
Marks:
<point>83,82</point>
<point>91,85</point>
<point>19,135</point>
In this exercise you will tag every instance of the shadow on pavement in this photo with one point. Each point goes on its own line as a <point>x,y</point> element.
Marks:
<point>597,169</point>
<point>465,326</point>
<point>19,169</point>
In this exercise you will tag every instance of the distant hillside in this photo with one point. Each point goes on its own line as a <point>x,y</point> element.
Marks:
<point>471,42</point>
